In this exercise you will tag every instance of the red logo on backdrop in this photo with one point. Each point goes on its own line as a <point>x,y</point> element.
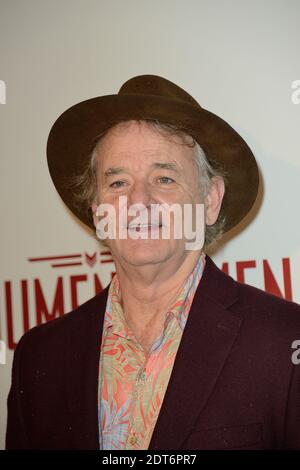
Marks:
<point>77,259</point>
<point>67,285</point>
<point>45,311</point>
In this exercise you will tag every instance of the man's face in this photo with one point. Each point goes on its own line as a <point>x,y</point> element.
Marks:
<point>137,161</point>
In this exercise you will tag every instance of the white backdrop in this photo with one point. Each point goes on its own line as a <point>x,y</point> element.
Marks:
<point>237,58</point>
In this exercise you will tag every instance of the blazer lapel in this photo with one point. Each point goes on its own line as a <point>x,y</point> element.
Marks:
<point>206,342</point>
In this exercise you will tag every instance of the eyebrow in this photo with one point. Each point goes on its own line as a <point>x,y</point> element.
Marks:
<point>162,166</point>
<point>113,171</point>
<point>166,166</point>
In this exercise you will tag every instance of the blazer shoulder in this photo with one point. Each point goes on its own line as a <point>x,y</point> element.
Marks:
<point>261,298</point>
<point>264,307</point>
<point>253,303</point>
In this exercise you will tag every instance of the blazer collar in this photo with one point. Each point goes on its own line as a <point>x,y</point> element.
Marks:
<point>206,342</point>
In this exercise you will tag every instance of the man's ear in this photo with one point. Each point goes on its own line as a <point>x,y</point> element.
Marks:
<point>213,200</point>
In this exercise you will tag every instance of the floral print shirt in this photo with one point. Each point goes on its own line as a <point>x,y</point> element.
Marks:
<point>133,382</point>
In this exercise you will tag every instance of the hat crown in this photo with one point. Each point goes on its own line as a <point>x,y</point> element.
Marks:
<point>155,85</point>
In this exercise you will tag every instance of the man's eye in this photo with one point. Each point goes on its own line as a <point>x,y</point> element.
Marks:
<point>166,180</point>
<point>117,184</point>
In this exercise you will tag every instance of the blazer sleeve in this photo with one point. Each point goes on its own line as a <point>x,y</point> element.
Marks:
<point>15,431</point>
<point>292,418</point>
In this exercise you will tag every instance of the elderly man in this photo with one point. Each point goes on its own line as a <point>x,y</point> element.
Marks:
<point>173,354</point>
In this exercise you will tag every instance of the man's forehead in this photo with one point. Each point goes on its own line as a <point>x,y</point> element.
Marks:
<point>130,148</point>
<point>136,134</point>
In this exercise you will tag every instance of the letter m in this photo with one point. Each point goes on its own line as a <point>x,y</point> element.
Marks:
<point>42,310</point>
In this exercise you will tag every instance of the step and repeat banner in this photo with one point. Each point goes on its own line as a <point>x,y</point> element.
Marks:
<point>239,59</point>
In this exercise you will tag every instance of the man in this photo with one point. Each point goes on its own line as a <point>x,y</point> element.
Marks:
<point>173,354</point>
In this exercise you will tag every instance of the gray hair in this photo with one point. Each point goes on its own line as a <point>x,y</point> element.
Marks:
<point>84,186</point>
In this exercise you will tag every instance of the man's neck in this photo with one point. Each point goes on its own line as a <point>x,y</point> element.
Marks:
<point>146,294</point>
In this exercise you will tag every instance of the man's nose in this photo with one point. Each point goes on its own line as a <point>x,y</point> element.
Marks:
<point>140,193</point>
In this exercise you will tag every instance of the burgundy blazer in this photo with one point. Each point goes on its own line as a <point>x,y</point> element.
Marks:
<point>233,385</point>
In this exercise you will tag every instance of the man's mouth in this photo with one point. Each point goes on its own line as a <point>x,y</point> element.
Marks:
<point>144,227</point>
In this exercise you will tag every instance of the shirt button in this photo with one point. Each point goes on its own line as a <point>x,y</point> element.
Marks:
<point>143,376</point>
<point>132,440</point>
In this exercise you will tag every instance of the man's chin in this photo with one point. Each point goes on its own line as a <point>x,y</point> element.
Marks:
<point>142,254</point>
<point>144,259</point>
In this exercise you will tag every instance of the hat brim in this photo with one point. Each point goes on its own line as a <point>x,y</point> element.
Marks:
<point>73,135</point>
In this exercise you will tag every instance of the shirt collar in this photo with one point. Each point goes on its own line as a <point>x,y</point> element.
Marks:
<point>114,316</point>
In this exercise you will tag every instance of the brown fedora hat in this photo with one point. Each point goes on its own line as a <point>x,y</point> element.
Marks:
<point>150,97</point>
